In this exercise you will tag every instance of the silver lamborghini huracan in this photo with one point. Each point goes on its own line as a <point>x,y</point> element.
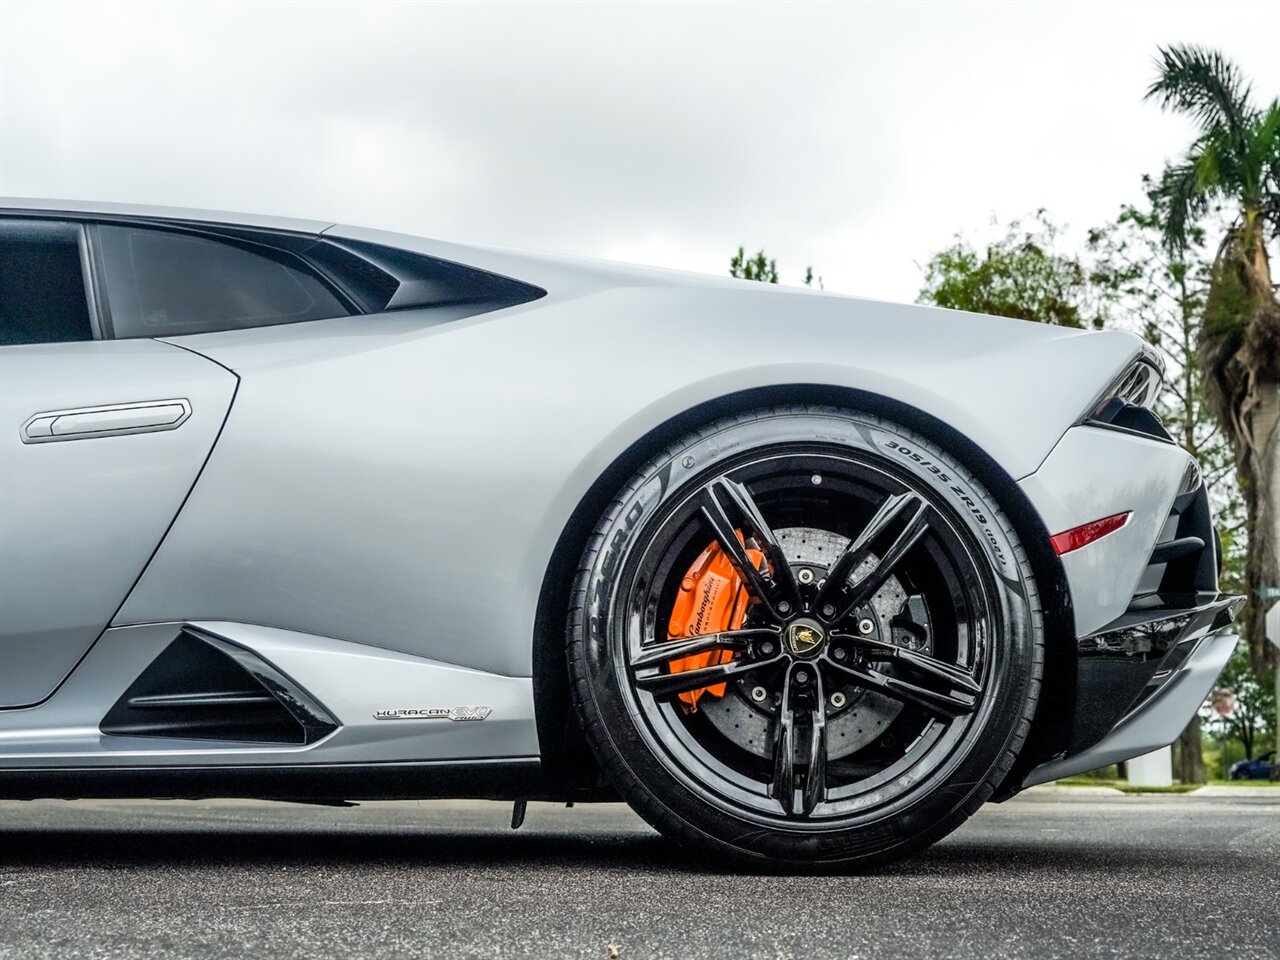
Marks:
<point>302,511</point>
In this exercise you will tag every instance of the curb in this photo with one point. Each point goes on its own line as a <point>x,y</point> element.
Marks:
<point>1262,789</point>
<point>1271,791</point>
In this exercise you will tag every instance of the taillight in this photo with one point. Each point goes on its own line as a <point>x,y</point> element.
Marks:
<point>1086,533</point>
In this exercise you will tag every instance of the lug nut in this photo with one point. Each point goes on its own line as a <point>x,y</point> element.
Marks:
<point>802,676</point>
<point>805,576</point>
<point>839,653</point>
<point>828,610</point>
<point>766,650</point>
<point>838,700</point>
<point>866,626</point>
<point>784,607</point>
<point>758,694</point>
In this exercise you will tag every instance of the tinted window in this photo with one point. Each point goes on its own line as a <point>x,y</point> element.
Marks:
<point>163,284</point>
<point>42,294</point>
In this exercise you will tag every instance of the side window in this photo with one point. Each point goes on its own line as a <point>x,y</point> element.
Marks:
<point>162,284</point>
<point>42,290</point>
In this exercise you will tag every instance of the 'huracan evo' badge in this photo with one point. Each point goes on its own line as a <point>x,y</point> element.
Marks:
<point>433,713</point>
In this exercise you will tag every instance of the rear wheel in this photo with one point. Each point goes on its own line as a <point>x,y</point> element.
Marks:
<point>805,635</point>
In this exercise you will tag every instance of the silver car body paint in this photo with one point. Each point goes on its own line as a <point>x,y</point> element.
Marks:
<point>133,211</point>
<point>352,680</point>
<point>313,514</point>
<point>1095,473</point>
<point>82,516</point>
<point>379,513</point>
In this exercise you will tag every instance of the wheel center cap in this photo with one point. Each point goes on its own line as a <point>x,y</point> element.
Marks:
<point>805,638</point>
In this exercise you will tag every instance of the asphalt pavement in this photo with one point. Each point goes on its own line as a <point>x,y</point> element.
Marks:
<point>1054,873</point>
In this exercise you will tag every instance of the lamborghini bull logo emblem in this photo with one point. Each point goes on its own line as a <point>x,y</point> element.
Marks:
<point>804,638</point>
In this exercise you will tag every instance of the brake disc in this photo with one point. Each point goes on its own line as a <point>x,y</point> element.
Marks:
<point>746,721</point>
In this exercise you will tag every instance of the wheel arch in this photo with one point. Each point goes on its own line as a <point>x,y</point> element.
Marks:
<point>571,770</point>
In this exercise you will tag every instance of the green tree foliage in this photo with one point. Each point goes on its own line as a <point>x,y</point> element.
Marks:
<point>1234,163</point>
<point>1021,275</point>
<point>1252,721</point>
<point>1160,294</point>
<point>1128,276</point>
<point>759,267</point>
<point>1235,159</point>
<point>764,269</point>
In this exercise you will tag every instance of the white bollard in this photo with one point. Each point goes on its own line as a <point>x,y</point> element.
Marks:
<point>1154,769</point>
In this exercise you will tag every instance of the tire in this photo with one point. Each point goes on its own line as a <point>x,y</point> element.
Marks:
<point>887,669</point>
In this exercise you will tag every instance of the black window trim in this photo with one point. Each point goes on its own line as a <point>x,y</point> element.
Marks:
<point>292,246</point>
<point>93,301</point>
<point>234,239</point>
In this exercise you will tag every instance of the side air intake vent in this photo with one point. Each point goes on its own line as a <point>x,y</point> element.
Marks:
<point>386,278</point>
<point>1184,561</point>
<point>201,687</point>
<point>1130,417</point>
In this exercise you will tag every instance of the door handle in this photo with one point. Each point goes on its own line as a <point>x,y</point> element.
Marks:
<point>114,420</point>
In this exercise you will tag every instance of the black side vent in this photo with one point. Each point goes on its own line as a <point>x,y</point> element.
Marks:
<point>1139,384</point>
<point>387,278</point>
<point>1126,404</point>
<point>202,687</point>
<point>1184,560</point>
<point>1119,414</point>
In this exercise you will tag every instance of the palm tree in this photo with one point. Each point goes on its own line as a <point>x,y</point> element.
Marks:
<point>1234,164</point>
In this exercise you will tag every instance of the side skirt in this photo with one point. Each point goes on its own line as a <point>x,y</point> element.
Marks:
<point>504,779</point>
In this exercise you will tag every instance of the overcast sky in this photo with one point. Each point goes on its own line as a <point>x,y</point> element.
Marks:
<point>859,138</point>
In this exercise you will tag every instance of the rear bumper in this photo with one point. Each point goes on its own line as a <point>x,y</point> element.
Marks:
<point>1152,668</point>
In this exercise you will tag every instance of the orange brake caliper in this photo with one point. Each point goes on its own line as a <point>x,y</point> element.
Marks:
<point>712,599</point>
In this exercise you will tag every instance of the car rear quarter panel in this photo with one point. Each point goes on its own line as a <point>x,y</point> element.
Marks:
<point>389,481</point>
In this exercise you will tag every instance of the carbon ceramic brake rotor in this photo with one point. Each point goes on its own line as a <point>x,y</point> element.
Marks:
<point>866,713</point>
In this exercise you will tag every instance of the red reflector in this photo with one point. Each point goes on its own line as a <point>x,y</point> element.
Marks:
<point>1085,534</point>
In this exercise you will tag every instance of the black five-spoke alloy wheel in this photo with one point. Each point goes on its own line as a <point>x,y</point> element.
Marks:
<point>877,675</point>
